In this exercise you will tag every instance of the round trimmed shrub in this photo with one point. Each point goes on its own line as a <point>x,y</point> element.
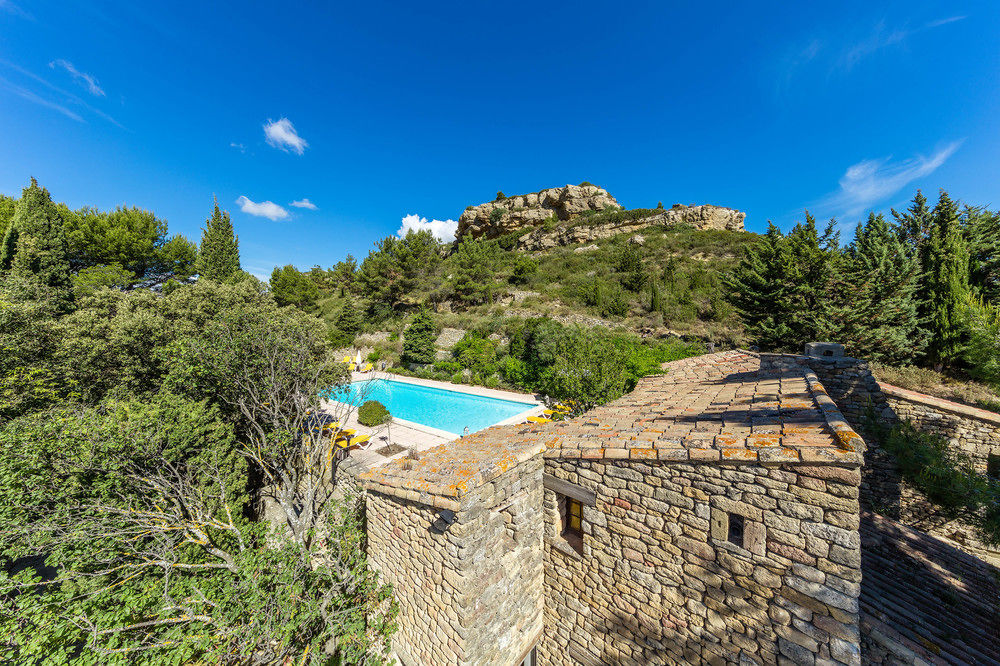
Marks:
<point>372,413</point>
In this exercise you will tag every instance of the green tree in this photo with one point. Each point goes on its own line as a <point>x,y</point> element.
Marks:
<point>473,270</point>
<point>344,273</point>
<point>219,253</point>
<point>761,291</point>
<point>34,249</point>
<point>7,207</point>
<point>418,339</point>
<point>397,266</point>
<point>629,267</point>
<point>914,224</point>
<point>876,298</point>
<point>349,319</point>
<point>945,265</point>
<point>289,286</point>
<point>982,352</point>
<point>982,231</point>
<point>814,263</point>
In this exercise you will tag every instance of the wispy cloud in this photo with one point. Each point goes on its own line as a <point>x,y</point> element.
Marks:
<point>84,79</point>
<point>839,54</point>
<point>238,146</point>
<point>305,203</point>
<point>11,8</point>
<point>24,93</point>
<point>268,209</point>
<point>67,98</point>
<point>443,230</point>
<point>281,134</point>
<point>874,180</point>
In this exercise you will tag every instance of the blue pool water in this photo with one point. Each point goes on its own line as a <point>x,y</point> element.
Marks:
<point>438,408</point>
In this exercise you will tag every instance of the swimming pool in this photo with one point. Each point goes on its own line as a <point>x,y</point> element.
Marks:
<point>452,411</point>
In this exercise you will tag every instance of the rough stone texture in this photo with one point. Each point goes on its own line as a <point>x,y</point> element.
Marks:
<point>530,210</point>
<point>974,431</point>
<point>924,601</point>
<point>700,217</point>
<point>449,337</point>
<point>468,582</point>
<point>565,204</point>
<point>658,583</point>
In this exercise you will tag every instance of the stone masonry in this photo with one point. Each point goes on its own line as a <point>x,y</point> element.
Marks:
<point>720,509</point>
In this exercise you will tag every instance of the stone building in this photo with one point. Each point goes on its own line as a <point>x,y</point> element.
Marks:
<point>710,516</point>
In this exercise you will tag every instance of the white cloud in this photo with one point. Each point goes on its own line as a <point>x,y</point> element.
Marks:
<point>238,146</point>
<point>443,230</point>
<point>281,134</point>
<point>39,100</point>
<point>871,181</point>
<point>305,203</point>
<point>268,209</point>
<point>84,79</point>
<point>881,38</point>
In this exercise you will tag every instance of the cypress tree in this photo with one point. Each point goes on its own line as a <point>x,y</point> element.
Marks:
<point>760,290</point>
<point>418,340</point>
<point>877,307</point>
<point>349,320</point>
<point>814,259</point>
<point>219,253</point>
<point>914,224</point>
<point>945,264</point>
<point>34,253</point>
<point>982,230</point>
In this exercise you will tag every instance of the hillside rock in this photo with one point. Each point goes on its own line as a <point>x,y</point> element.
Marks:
<point>699,217</point>
<point>532,210</point>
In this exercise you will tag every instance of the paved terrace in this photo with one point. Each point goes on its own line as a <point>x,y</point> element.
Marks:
<point>734,407</point>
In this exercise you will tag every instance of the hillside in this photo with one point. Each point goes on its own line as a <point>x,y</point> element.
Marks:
<point>572,254</point>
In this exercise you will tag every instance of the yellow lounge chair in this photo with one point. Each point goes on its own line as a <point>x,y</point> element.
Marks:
<point>368,368</point>
<point>350,367</point>
<point>539,419</point>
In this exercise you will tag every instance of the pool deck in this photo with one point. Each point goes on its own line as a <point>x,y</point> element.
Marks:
<point>409,435</point>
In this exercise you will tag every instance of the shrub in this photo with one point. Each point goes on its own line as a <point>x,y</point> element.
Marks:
<point>514,370</point>
<point>418,341</point>
<point>476,353</point>
<point>373,413</point>
<point>338,338</point>
<point>496,215</point>
<point>616,304</point>
<point>500,196</point>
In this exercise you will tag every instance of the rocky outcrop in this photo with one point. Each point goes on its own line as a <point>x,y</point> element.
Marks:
<point>532,210</point>
<point>579,214</point>
<point>699,217</point>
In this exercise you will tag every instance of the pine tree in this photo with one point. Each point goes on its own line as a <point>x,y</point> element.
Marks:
<point>349,320</point>
<point>945,265</point>
<point>914,224</point>
<point>877,305</point>
<point>219,253</point>
<point>814,258</point>
<point>418,340</point>
<point>982,231</point>
<point>34,253</point>
<point>761,291</point>
<point>655,297</point>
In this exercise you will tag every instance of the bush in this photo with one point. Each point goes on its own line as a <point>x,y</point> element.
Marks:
<point>373,413</point>
<point>514,370</point>
<point>524,267</point>
<point>616,304</point>
<point>496,215</point>
<point>476,353</point>
<point>338,338</point>
<point>948,477</point>
<point>418,341</point>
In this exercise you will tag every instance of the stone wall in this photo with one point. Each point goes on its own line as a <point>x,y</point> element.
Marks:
<point>658,581</point>
<point>468,582</point>
<point>973,431</point>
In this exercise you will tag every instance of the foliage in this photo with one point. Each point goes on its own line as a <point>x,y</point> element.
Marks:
<point>982,351</point>
<point>476,353</point>
<point>945,263</point>
<point>344,272</point>
<point>946,475</point>
<point>496,215</point>
<point>418,340</point>
<point>373,413</point>
<point>349,319</point>
<point>219,253</point>
<point>877,307</point>
<point>289,286</point>
<point>397,266</point>
<point>34,251</point>
<point>982,230</point>
<point>474,266</point>
<point>89,280</point>
<point>522,269</point>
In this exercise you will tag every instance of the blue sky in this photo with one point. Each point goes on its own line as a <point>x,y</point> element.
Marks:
<point>375,111</point>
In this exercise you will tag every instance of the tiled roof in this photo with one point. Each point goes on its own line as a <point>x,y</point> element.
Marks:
<point>922,596</point>
<point>735,407</point>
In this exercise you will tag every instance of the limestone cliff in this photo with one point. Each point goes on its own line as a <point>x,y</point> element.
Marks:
<point>579,214</point>
<point>532,210</point>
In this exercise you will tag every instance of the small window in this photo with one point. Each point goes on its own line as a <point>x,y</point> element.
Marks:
<point>736,525</point>
<point>573,520</point>
<point>530,659</point>
<point>993,466</point>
